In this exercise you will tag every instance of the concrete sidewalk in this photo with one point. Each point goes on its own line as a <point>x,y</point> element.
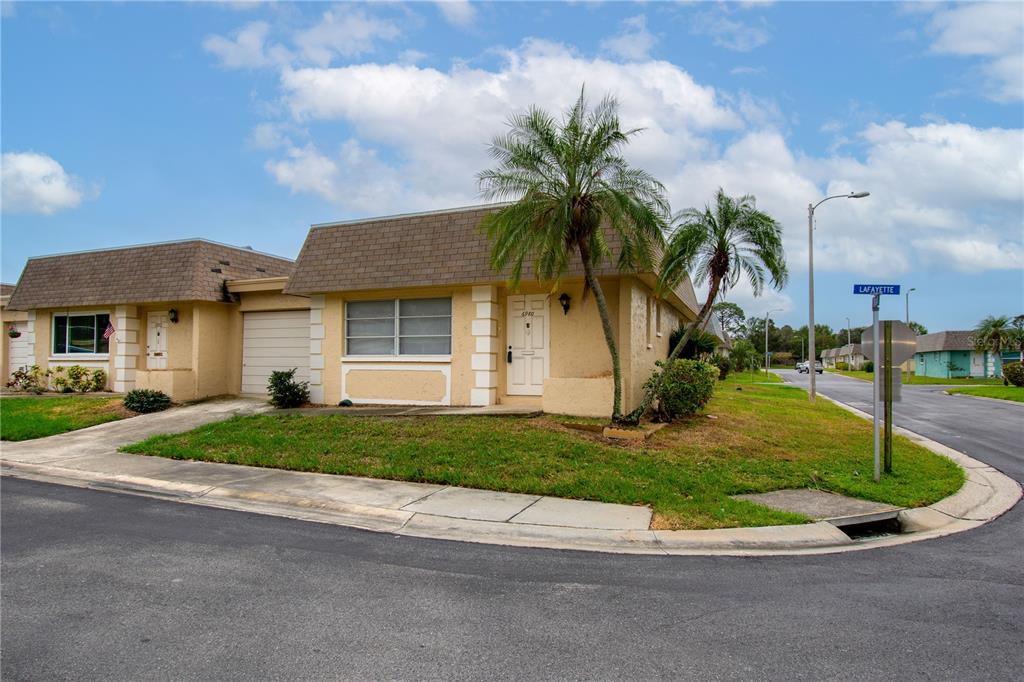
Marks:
<point>89,458</point>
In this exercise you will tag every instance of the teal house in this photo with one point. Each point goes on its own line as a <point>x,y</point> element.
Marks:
<point>950,355</point>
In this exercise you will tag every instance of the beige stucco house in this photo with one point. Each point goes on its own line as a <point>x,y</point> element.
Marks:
<point>176,327</point>
<point>402,310</point>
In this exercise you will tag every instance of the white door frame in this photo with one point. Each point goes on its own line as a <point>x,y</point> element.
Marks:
<point>156,359</point>
<point>546,298</point>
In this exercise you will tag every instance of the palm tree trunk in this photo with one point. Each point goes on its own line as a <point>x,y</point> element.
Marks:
<point>649,395</point>
<point>609,333</point>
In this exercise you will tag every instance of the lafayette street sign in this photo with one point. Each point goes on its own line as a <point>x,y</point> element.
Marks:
<point>876,289</point>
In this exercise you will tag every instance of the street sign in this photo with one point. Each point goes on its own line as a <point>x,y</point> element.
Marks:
<point>877,289</point>
<point>904,342</point>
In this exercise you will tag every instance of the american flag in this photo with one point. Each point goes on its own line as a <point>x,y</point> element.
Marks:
<point>109,331</point>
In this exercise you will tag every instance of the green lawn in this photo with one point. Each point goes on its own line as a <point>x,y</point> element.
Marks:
<point>914,379</point>
<point>1015,393</point>
<point>765,437</point>
<point>22,418</point>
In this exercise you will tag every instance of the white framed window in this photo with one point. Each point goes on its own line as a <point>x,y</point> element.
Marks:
<point>399,327</point>
<point>649,319</point>
<point>80,334</point>
<point>657,314</point>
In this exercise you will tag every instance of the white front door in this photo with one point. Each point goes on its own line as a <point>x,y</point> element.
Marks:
<point>156,341</point>
<point>19,352</point>
<point>527,352</point>
<point>977,364</point>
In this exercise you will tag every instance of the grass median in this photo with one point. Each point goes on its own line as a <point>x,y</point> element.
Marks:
<point>763,437</point>
<point>923,380</point>
<point>24,418</point>
<point>1014,393</point>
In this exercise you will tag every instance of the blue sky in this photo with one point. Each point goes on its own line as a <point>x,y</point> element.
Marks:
<point>136,122</point>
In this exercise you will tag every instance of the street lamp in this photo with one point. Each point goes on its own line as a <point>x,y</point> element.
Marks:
<point>767,319</point>
<point>811,352</point>
<point>908,302</point>
<point>848,325</point>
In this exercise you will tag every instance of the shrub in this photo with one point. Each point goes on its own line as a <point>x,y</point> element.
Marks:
<point>687,388</point>
<point>29,379</point>
<point>79,379</point>
<point>98,380</point>
<point>60,382</point>
<point>723,364</point>
<point>146,400</point>
<point>842,366</point>
<point>285,391</point>
<point>700,342</point>
<point>869,367</point>
<point>1014,373</point>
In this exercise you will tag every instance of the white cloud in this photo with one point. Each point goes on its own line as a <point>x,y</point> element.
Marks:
<point>634,42</point>
<point>747,70</point>
<point>457,12</point>
<point>343,32</point>
<point>439,122</point>
<point>992,31</point>
<point>36,183</point>
<point>247,48</point>
<point>726,31</point>
<point>973,252</point>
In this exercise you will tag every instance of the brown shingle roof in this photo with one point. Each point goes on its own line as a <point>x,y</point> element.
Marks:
<point>172,271</point>
<point>6,289</point>
<point>423,249</point>
<point>952,340</point>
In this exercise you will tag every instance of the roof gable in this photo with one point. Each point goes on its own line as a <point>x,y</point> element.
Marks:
<point>192,270</point>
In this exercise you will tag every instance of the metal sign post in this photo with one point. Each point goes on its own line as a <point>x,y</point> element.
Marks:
<point>874,381</point>
<point>876,291</point>
<point>900,344</point>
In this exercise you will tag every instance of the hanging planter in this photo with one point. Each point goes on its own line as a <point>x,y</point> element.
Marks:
<point>13,332</point>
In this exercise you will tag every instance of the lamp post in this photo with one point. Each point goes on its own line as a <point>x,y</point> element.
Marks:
<point>811,351</point>
<point>848,325</point>
<point>767,319</point>
<point>908,302</point>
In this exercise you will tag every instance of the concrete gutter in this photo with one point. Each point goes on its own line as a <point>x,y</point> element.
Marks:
<point>450,513</point>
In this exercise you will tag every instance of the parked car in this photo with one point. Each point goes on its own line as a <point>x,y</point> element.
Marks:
<point>804,367</point>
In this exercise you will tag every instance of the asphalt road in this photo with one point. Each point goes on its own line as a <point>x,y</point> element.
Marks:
<point>104,585</point>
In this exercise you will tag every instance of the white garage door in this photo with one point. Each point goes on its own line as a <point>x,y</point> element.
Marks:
<point>19,354</point>
<point>274,341</point>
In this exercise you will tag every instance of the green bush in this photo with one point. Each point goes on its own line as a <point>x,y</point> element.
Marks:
<point>842,366</point>
<point>1014,373</point>
<point>869,367</point>
<point>29,379</point>
<point>146,400</point>
<point>285,391</point>
<point>98,380</point>
<point>687,388</point>
<point>79,379</point>
<point>723,364</point>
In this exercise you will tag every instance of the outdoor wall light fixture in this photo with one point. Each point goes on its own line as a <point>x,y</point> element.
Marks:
<point>172,315</point>
<point>564,300</point>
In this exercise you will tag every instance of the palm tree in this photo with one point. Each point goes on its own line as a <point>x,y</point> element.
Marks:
<point>1017,335</point>
<point>718,245</point>
<point>571,191</point>
<point>993,334</point>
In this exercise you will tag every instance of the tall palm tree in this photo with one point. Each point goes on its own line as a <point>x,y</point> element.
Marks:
<point>993,334</point>
<point>1017,335</point>
<point>717,246</point>
<point>571,190</point>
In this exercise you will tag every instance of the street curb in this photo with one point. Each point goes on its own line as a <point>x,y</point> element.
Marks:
<point>985,495</point>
